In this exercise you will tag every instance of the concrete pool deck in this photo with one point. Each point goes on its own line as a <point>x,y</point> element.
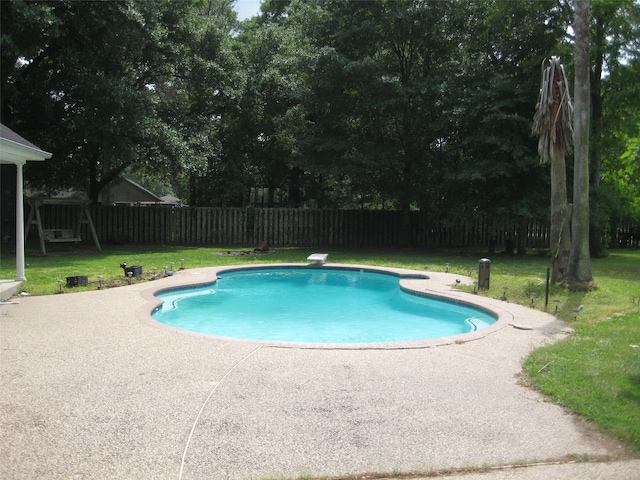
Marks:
<point>90,391</point>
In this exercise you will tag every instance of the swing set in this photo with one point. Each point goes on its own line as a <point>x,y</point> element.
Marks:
<point>60,235</point>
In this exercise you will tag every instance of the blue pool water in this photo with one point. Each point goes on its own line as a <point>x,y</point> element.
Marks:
<point>315,305</point>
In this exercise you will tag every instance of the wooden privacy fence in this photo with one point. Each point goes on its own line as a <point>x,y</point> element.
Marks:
<point>246,227</point>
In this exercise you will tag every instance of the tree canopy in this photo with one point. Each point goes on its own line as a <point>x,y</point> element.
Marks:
<point>404,104</point>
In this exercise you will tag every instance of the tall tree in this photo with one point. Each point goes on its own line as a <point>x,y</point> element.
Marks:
<point>619,189</point>
<point>615,44</point>
<point>100,88</point>
<point>580,275</point>
<point>376,104</point>
<point>553,126</point>
<point>492,99</point>
<point>202,92</point>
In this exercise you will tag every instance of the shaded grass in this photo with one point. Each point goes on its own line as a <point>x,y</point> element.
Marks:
<point>595,372</point>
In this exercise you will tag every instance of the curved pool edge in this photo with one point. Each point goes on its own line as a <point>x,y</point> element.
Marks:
<point>434,284</point>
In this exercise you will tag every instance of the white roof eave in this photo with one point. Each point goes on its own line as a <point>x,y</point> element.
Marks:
<point>15,153</point>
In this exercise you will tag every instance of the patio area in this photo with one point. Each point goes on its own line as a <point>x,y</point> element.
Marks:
<point>90,391</point>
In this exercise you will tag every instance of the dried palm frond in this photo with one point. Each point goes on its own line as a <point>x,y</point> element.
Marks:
<point>553,120</point>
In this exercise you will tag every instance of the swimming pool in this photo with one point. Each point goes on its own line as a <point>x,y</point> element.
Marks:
<point>316,305</point>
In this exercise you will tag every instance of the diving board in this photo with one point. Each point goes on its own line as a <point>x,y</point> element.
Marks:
<point>318,258</point>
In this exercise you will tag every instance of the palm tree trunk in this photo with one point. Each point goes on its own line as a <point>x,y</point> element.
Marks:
<point>552,124</point>
<point>559,236</point>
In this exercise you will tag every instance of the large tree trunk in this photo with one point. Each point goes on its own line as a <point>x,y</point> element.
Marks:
<point>580,261</point>
<point>596,238</point>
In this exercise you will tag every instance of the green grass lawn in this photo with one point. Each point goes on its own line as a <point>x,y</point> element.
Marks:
<point>595,372</point>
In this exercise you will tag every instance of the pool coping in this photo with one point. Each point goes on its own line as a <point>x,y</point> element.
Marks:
<point>431,284</point>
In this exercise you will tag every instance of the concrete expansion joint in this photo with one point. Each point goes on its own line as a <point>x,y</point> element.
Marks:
<point>486,469</point>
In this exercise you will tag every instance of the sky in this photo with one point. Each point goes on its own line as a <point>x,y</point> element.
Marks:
<point>247,8</point>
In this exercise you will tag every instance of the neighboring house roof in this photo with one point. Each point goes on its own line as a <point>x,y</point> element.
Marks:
<point>15,149</point>
<point>128,191</point>
<point>73,195</point>
<point>122,192</point>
